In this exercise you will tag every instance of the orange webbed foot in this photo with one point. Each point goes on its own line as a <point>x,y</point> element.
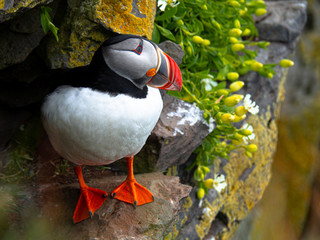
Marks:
<point>90,200</point>
<point>130,191</point>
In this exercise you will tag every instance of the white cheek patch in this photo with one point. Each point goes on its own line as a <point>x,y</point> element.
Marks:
<point>128,64</point>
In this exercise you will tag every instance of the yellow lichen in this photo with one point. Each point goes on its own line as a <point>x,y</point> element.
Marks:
<point>172,171</point>
<point>187,204</point>
<point>118,16</point>
<point>209,212</point>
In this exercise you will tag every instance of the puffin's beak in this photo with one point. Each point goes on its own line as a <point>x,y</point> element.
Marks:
<point>168,74</point>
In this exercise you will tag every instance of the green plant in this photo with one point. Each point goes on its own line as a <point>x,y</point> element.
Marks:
<point>46,23</point>
<point>218,40</point>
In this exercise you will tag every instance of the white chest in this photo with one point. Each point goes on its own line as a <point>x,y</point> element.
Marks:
<point>93,128</point>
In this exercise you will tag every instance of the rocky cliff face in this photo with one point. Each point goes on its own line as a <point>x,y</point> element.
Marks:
<point>51,191</point>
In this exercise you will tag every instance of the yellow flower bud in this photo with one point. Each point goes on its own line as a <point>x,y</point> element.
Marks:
<point>238,119</point>
<point>189,50</point>
<point>260,11</point>
<point>233,100</point>
<point>246,132</point>
<point>204,7</point>
<point>238,136</point>
<point>198,174</point>
<point>286,63</point>
<point>206,42</point>
<point>227,118</point>
<point>237,23</point>
<point>237,47</point>
<point>246,32</point>
<point>256,66</point>
<point>236,86</point>
<point>232,76</point>
<point>235,4</point>
<point>208,183</point>
<point>252,148</point>
<point>248,62</point>
<point>236,142</point>
<point>180,23</point>
<point>200,193</point>
<point>243,12</point>
<point>205,169</point>
<point>240,111</point>
<point>270,75</point>
<point>221,92</point>
<point>263,44</point>
<point>233,40</point>
<point>197,39</point>
<point>235,32</point>
<point>249,154</point>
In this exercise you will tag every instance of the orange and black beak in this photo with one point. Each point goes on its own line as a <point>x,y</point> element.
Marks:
<point>168,74</point>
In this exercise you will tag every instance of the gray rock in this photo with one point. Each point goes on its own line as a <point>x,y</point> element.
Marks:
<point>12,8</point>
<point>20,37</point>
<point>173,50</point>
<point>284,21</point>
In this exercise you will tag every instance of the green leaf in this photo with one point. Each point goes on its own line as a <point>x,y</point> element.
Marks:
<point>167,14</point>
<point>46,23</point>
<point>155,34</point>
<point>54,30</point>
<point>166,33</point>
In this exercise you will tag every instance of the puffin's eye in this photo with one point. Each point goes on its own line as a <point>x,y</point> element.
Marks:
<point>139,49</point>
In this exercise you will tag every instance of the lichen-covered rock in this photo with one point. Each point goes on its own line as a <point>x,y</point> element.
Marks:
<point>219,214</point>
<point>85,24</point>
<point>11,8</point>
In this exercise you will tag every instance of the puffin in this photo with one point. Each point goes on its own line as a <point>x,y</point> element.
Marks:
<point>106,111</point>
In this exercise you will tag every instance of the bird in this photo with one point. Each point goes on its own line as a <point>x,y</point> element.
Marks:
<point>106,111</point>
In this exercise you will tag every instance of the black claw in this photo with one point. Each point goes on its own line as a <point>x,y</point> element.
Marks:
<point>113,195</point>
<point>135,204</point>
<point>90,213</point>
<point>104,195</point>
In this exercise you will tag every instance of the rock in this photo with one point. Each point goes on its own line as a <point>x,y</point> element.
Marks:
<point>11,8</point>
<point>85,24</point>
<point>150,221</point>
<point>115,219</point>
<point>173,50</point>
<point>294,186</point>
<point>219,215</point>
<point>19,37</point>
<point>283,22</point>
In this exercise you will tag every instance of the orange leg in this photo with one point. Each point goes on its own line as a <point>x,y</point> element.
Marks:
<point>130,191</point>
<point>89,201</point>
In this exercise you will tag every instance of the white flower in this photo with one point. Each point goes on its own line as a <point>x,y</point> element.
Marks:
<point>208,84</point>
<point>250,105</point>
<point>251,136</point>
<point>219,182</point>
<point>162,4</point>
